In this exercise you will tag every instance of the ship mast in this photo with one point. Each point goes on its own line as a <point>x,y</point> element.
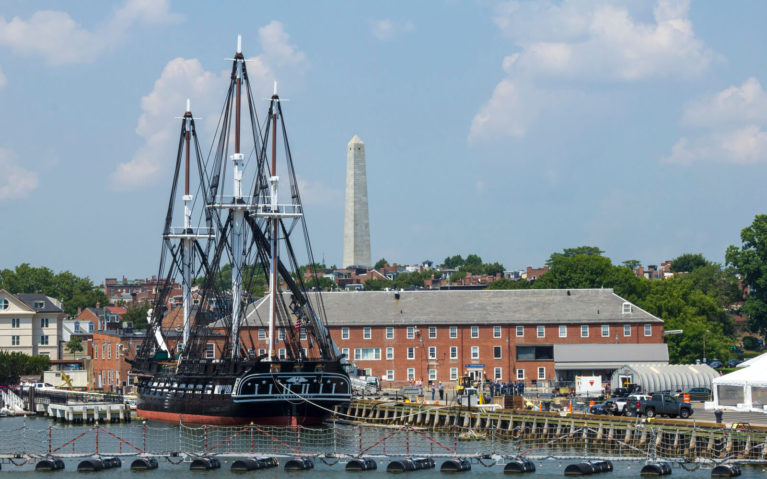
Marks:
<point>275,221</point>
<point>187,249</point>
<point>238,211</point>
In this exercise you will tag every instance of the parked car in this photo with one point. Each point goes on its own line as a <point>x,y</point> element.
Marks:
<point>660,405</point>
<point>716,364</point>
<point>734,362</point>
<point>620,403</point>
<point>696,394</point>
<point>598,408</point>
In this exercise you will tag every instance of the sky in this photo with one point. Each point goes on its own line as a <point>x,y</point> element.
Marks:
<point>508,129</point>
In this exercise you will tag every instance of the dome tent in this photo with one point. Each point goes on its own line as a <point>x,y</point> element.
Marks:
<point>664,377</point>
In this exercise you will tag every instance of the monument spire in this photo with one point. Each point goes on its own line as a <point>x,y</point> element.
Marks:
<point>356,219</point>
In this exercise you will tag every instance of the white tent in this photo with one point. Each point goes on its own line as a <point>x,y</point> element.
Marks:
<point>742,390</point>
<point>752,361</point>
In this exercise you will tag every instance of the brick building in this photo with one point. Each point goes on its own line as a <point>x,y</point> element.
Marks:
<point>110,349</point>
<point>509,335</point>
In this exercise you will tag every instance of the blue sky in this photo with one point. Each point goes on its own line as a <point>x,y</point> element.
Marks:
<point>507,129</point>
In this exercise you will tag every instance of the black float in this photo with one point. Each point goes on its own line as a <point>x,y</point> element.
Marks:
<point>588,467</point>
<point>456,465</point>
<point>205,464</point>
<point>518,466</point>
<point>726,470</point>
<point>410,464</point>
<point>656,469</point>
<point>144,464</point>
<point>361,464</point>
<point>254,463</point>
<point>299,464</point>
<point>49,464</point>
<point>95,464</point>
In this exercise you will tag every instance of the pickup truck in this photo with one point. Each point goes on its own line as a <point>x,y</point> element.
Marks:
<point>660,405</point>
<point>621,403</point>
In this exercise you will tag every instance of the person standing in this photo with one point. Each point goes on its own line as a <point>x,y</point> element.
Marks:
<point>441,391</point>
<point>433,390</point>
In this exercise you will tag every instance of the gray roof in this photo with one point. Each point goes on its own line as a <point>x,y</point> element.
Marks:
<point>541,306</point>
<point>668,377</point>
<point>31,298</point>
<point>608,356</point>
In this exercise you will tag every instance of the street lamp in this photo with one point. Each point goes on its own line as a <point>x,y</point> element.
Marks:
<point>704,345</point>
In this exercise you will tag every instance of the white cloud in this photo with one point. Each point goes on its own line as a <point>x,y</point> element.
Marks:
<point>316,193</point>
<point>729,127</point>
<point>386,29</point>
<point>187,78</point>
<point>578,44</point>
<point>58,39</point>
<point>15,182</point>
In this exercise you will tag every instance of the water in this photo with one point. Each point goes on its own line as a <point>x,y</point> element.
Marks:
<point>347,440</point>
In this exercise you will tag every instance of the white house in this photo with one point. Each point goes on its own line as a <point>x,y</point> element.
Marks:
<point>30,324</point>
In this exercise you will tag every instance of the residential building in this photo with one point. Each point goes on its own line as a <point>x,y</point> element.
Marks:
<point>110,350</point>
<point>30,324</point>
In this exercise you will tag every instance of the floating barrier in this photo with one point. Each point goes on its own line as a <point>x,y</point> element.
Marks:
<point>361,464</point>
<point>205,464</point>
<point>144,464</point>
<point>49,464</point>
<point>95,464</point>
<point>726,470</point>
<point>656,469</point>
<point>518,466</point>
<point>299,464</point>
<point>254,463</point>
<point>410,464</point>
<point>456,465</point>
<point>589,467</point>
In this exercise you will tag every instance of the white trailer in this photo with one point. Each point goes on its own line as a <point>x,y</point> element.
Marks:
<point>588,385</point>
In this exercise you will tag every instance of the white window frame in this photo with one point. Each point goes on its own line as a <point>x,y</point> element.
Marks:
<point>540,331</point>
<point>389,333</point>
<point>605,330</point>
<point>358,354</point>
<point>432,375</point>
<point>453,332</point>
<point>496,331</point>
<point>453,374</point>
<point>498,374</point>
<point>432,352</point>
<point>15,340</point>
<point>562,330</point>
<point>432,332</point>
<point>584,329</point>
<point>210,351</point>
<point>453,352</point>
<point>411,352</point>
<point>345,352</point>
<point>475,331</point>
<point>410,374</point>
<point>344,333</point>
<point>541,373</point>
<point>520,331</point>
<point>367,332</point>
<point>411,332</point>
<point>4,304</point>
<point>626,330</point>
<point>109,350</point>
<point>389,375</point>
<point>44,322</point>
<point>281,353</point>
<point>262,334</point>
<point>499,349</point>
<point>281,334</point>
<point>648,329</point>
<point>475,352</point>
<point>15,323</point>
<point>626,309</point>
<point>389,353</point>
<point>520,374</point>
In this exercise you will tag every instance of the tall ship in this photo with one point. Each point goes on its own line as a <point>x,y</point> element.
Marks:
<point>227,246</point>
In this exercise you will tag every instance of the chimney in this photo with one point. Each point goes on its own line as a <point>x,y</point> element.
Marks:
<point>98,304</point>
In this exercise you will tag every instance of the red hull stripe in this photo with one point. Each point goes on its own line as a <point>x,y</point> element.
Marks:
<point>228,421</point>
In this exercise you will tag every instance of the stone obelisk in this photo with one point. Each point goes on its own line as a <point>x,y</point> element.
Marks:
<point>356,220</point>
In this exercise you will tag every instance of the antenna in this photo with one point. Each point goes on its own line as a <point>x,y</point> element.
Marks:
<point>188,105</point>
<point>275,87</point>
<point>239,43</point>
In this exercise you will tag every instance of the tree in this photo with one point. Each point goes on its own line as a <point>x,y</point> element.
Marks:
<point>688,262</point>
<point>632,264</point>
<point>323,282</point>
<point>580,271</point>
<point>750,261</point>
<point>473,260</point>
<point>74,345</point>
<point>577,251</point>
<point>453,262</point>
<point>378,284</point>
<point>381,263</point>
<point>504,283</point>
<point>137,315</point>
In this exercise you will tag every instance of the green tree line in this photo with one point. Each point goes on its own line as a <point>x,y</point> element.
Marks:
<point>14,365</point>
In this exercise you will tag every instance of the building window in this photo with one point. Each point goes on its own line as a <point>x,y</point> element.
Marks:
<point>281,353</point>
<point>496,331</point>
<point>389,332</point>
<point>43,322</point>
<point>366,333</point>
<point>496,352</point>
<point>367,354</point>
<point>520,374</point>
<point>475,352</point>
<point>432,374</point>
<point>389,353</point>
<point>453,374</point>
<point>3,304</point>
<point>118,349</point>
<point>432,332</point>
<point>345,352</point>
<point>262,334</point>
<point>410,374</point>
<point>541,331</point>
<point>411,353</point>
<point>626,308</point>
<point>344,333</point>
<point>95,351</point>
<point>475,331</point>
<point>302,334</point>
<point>562,331</point>
<point>498,374</point>
<point>541,373</point>
<point>648,330</point>
<point>389,375</point>
<point>44,340</point>
<point>410,332</point>
<point>627,330</point>
<point>109,350</point>
<point>281,334</point>
<point>584,331</point>
<point>453,332</point>
<point>453,352</point>
<point>432,352</point>
<point>520,331</point>
<point>77,327</point>
<point>15,340</point>
<point>15,322</point>
<point>39,304</point>
<point>605,330</point>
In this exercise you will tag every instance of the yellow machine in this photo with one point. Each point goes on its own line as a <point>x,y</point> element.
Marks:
<point>67,380</point>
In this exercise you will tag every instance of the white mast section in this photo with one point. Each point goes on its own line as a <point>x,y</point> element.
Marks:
<point>238,214</point>
<point>187,249</point>
<point>274,181</point>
